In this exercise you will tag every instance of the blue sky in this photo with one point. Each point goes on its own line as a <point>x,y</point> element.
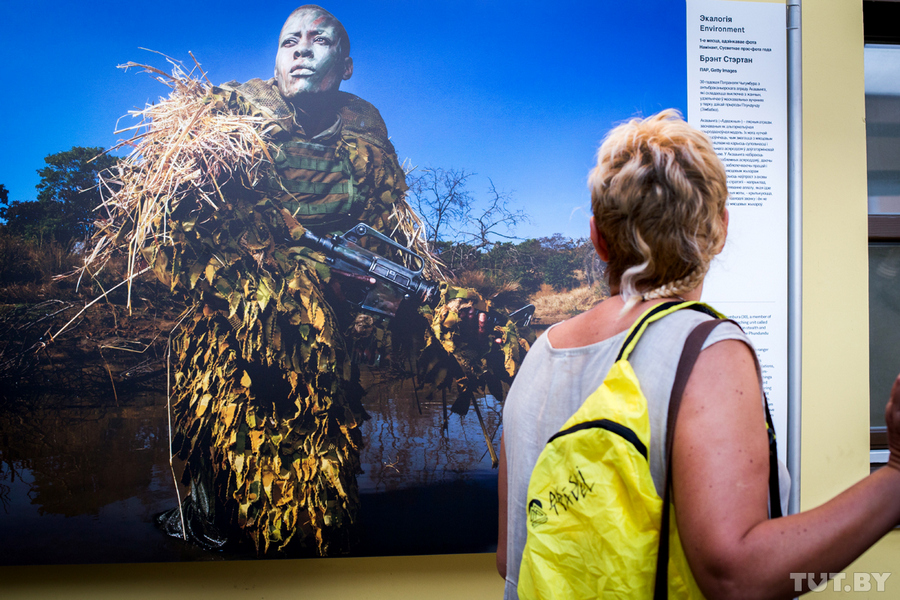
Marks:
<point>518,92</point>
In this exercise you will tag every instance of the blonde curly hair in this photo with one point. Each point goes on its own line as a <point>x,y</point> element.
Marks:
<point>658,196</point>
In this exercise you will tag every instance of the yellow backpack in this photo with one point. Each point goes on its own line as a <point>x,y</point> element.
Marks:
<point>594,516</point>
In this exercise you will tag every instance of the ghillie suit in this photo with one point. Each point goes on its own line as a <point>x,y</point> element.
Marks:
<point>452,357</point>
<point>266,399</point>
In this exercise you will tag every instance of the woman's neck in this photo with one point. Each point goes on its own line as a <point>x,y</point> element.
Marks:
<point>606,320</point>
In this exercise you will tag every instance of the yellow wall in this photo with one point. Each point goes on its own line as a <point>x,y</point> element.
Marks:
<point>835,367</point>
<point>469,577</point>
<point>835,439</point>
<point>835,275</point>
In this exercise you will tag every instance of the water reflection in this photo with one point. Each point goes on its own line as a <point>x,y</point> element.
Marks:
<point>407,449</point>
<point>83,470</point>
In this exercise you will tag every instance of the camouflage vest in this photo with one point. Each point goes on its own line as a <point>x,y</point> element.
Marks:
<point>315,178</point>
<point>315,184</point>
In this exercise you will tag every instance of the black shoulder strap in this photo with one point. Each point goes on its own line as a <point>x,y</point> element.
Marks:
<point>692,347</point>
<point>774,485</point>
<point>689,355</point>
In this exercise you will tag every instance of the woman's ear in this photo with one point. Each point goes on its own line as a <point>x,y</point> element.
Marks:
<point>724,237</point>
<point>600,242</point>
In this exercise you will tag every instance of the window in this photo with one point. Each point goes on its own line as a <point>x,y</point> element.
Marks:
<point>882,70</point>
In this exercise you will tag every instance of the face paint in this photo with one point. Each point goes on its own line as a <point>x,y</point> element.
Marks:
<point>309,58</point>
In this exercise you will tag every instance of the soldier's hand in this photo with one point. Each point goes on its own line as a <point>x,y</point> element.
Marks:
<point>478,324</point>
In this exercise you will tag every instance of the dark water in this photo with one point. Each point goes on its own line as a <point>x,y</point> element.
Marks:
<point>427,490</point>
<point>83,471</point>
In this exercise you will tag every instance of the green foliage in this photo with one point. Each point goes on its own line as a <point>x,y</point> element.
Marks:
<point>561,270</point>
<point>555,260</point>
<point>19,261</point>
<point>67,196</point>
<point>471,237</point>
<point>563,257</point>
<point>27,269</point>
<point>24,261</point>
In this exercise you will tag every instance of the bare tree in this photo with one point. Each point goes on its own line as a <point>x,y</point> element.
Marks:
<point>498,220</point>
<point>451,214</point>
<point>440,198</point>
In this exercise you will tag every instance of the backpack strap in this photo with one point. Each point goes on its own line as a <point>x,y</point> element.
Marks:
<point>654,314</point>
<point>689,355</point>
<point>692,347</point>
<point>774,484</point>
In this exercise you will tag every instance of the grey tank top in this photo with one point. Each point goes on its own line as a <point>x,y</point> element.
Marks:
<point>553,383</point>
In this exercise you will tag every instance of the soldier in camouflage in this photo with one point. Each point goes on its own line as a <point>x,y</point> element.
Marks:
<point>266,400</point>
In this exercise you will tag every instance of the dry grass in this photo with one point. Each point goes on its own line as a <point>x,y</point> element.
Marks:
<point>183,150</point>
<point>504,294</point>
<point>552,307</point>
<point>27,269</point>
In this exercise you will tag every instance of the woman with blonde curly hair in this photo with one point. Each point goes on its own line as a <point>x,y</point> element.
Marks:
<point>659,218</point>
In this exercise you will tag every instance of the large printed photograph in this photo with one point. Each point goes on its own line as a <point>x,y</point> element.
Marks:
<point>268,271</point>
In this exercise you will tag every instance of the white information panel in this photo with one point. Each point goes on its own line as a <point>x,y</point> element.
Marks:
<point>737,94</point>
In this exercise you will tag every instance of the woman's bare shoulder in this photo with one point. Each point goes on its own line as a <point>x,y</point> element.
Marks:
<point>595,325</point>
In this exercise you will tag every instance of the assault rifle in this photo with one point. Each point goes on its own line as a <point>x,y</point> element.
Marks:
<point>379,285</point>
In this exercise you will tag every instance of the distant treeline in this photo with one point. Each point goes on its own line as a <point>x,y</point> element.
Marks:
<point>41,238</point>
<point>557,261</point>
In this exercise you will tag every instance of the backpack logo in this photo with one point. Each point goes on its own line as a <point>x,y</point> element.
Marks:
<point>535,514</point>
<point>568,496</point>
